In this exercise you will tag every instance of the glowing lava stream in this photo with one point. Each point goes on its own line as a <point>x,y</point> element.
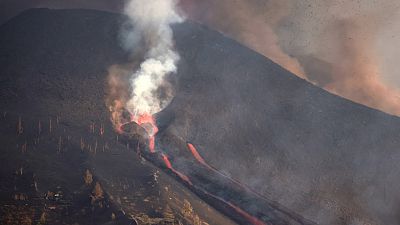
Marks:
<point>169,166</point>
<point>200,159</point>
<point>197,156</point>
<point>253,220</point>
<point>148,123</point>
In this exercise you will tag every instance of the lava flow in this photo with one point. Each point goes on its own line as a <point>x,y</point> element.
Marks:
<point>200,159</point>
<point>169,166</point>
<point>148,122</point>
<point>253,220</point>
<point>197,156</point>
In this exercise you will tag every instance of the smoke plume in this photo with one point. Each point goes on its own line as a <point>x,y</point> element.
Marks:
<point>356,71</point>
<point>332,44</point>
<point>150,30</point>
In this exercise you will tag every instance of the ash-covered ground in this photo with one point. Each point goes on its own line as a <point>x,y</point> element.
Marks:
<point>309,155</point>
<point>62,162</point>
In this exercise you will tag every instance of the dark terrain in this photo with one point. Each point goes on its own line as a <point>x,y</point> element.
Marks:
<point>53,81</point>
<point>305,151</point>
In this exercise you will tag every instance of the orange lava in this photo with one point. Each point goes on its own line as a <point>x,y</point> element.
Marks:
<point>148,122</point>
<point>166,161</point>
<point>169,166</point>
<point>119,129</point>
<point>253,220</point>
<point>152,144</point>
<point>197,156</point>
<point>200,159</point>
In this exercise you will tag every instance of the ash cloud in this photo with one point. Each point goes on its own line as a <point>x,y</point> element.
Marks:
<point>356,72</point>
<point>333,44</point>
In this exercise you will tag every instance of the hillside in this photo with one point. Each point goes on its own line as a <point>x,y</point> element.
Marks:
<point>306,151</point>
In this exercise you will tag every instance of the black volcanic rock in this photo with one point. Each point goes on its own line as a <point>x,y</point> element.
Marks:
<point>323,157</point>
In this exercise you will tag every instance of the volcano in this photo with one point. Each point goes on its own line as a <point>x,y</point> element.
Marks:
<point>243,141</point>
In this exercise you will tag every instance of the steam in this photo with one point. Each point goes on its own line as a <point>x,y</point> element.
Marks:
<point>151,20</point>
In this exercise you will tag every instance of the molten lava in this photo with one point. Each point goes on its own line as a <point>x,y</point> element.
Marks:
<point>253,220</point>
<point>197,156</point>
<point>148,122</point>
<point>200,159</point>
<point>169,166</point>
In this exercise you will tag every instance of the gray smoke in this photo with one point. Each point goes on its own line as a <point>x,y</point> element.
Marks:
<point>151,20</point>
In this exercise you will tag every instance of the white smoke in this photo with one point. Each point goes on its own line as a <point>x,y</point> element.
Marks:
<point>152,20</point>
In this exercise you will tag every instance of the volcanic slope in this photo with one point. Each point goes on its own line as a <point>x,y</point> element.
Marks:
<point>324,157</point>
<point>61,161</point>
<point>329,159</point>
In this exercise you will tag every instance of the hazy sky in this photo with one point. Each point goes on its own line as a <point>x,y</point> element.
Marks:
<point>388,45</point>
<point>348,47</point>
